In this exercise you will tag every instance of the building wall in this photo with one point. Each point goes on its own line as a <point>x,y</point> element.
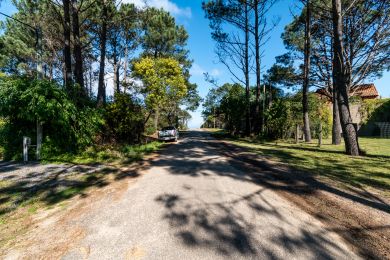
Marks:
<point>354,109</point>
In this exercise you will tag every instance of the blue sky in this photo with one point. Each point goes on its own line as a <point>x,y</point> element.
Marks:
<point>190,14</point>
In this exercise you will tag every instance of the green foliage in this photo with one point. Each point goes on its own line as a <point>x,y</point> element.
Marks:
<point>2,137</point>
<point>277,118</point>
<point>376,110</point>
<point>225,104</point>
<point>372,111</point>
<point>125,119</point>
<point>164,82</point>
<point>162,37</point>
<point>24,101</point>
<point>234,99</point>
<point>285,114</point>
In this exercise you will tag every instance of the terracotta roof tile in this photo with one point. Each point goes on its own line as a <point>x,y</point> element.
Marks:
<point>363,91</point>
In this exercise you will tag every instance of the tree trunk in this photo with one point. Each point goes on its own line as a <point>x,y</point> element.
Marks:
<point>116,65</point>
<point>116,77</point>
<point>336,127</point>
<point>156,118</point>
<point>296,133</point>
<point>101,96</point>
<point>340,82</point>
<point>247,87</point>
<point>77,50</point>
<point>305,89</point>
<point>214,117</point>
<point>90,80</point>
<point>320,135</point>
<point>263,117</point>
<point>258,71</point>
<point>67,52</point>
<point>125,67</point>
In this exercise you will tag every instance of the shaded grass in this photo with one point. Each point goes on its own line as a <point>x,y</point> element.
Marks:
<point>329,161</point>
<point>107,154</point>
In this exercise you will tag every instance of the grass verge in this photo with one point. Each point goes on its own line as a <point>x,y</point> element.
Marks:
<point>107,154</point>
<point>329,161</point>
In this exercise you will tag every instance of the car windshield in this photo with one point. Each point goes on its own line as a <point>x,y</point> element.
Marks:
<point>168,128</point>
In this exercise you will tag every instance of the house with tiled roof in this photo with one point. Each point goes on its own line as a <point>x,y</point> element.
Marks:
<point>364,91</point>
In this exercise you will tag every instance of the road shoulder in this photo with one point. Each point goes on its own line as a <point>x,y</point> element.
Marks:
<point>364,223</point>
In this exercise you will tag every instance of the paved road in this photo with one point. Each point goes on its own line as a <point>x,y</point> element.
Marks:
<point>193,204</point>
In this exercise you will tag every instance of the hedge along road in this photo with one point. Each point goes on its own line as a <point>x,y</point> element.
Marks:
<point>190,202</point>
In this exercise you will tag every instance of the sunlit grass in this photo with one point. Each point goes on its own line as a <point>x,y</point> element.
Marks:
<point>329,161</point>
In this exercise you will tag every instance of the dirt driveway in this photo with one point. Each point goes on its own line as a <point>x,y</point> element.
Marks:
<point>192,201</point>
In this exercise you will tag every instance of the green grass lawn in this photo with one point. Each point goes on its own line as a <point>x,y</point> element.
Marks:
<point>108,154</point>
<point>329,161</point>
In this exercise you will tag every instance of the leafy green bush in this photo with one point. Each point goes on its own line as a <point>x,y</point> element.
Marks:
<point>285,113</point>
<point>125,119</point>
<point>2,125</point>
<point>375,110</point>
<point>372,111</point>
<point>25,101</point>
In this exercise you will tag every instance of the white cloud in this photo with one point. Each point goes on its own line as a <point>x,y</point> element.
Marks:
<point>167,5</point>
<point>215,72</point>
<point>196,70</point>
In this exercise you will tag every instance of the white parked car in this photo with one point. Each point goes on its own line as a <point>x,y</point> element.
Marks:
<point>169,133</point>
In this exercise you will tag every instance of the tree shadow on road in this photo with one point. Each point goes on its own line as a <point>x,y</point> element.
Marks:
<point>221,227</point>
<point>190,159</point>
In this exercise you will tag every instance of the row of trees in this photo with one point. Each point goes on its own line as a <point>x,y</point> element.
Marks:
<point>332,44</point>
<point>241,29</point>
<point>81,46</point>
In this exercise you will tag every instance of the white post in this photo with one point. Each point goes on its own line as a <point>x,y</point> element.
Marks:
<point>39,140</point>
<point>26,143</point>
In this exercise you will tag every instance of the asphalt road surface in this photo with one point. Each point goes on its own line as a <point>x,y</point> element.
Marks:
<point>192,203</point>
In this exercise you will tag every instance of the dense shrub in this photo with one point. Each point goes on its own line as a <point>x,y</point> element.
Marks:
<point>125,119</point>
<point>24,101</point>
<point>372,111</point>
<point>376,110</point>
<point>286,112</point>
